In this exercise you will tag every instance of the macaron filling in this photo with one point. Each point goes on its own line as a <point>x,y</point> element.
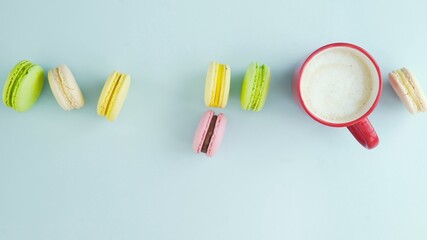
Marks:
<point>209,134</point>
<point>112,93</point>
<point>258,86</point>
<point>68,97</point>
<point>220,70</point>
<point>405,78</point>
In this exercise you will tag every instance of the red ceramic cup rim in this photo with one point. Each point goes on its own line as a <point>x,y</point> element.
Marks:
<point>304,65</point>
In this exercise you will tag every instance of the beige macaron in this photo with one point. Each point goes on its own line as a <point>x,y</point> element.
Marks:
<point>65,88</point>
<point>406,86</point>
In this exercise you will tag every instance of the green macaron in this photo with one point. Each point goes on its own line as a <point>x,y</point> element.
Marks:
<point>255,87</point>
<point>23,86</point>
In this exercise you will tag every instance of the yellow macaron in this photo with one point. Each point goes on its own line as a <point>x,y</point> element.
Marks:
<point>217,86</point>
<point>113,95</point>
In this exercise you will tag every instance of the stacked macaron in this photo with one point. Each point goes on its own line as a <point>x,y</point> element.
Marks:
<point>210,132</point>
<point>211,128</point>
<point>25,83</point>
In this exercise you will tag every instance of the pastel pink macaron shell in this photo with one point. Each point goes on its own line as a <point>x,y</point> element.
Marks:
<point>201,131</point>
<point>217,136</point>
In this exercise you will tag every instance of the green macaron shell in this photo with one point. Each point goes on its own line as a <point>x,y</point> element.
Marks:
<point>255,87</point>
<point>247,87</point>
<point>12,80</point>
<point>23,86</point>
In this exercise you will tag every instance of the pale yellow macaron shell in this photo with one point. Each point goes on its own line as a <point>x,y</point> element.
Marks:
<point>113,95</point>
<point>65,88</point>
<point>217,86</point>
<point>408,89</point>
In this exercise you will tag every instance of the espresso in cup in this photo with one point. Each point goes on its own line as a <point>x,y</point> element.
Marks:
<point>339,85</point>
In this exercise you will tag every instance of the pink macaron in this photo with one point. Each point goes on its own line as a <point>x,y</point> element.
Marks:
<point>209,133</point>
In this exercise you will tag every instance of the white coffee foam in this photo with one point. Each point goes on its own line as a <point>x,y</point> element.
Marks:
<point>339,85</point>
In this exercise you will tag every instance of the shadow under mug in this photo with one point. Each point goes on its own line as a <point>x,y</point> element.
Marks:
<point>358,123</point>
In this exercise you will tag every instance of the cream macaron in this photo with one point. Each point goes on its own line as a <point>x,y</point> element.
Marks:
<point>65,88</point>
<point>406,86</point>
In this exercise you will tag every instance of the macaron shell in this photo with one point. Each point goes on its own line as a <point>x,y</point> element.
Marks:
<point>247,87</point>
<point>16,75</point>
<point>265,89</point>
<point>106,94</point>
<point>225,90</point>
<point>199,136</point>
<point>65,88</point>
<point>218,135</point>
<point>118,97</point>
<point>56,88</point>
<point>29,89</point>
<point>70,87</point>
<point>255,88</point>
<point>401,91</point>
<point>217,86</point>
<point>210,84</point>
<point>418,91</point>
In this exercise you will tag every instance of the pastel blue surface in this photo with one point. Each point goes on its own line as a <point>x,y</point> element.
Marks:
<point>278,174</point>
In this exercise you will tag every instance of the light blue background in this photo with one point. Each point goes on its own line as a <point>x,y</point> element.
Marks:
<point>278,174</point>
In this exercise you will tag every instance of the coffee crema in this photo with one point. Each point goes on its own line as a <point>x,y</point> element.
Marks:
<point>339,85</point>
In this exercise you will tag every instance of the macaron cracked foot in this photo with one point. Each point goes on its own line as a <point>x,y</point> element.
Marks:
<point>65,88</point>
<point>255,87</point>
<point>113,95</point>
<point>406,86</point>
<point>217,86</point>
<point>209,133</point>
<point>23,86</point>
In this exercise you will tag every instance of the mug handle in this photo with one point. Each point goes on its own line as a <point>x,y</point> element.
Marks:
<point>365,134</point>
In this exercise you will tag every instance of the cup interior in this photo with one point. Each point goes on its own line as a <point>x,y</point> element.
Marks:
<point>340,85</point>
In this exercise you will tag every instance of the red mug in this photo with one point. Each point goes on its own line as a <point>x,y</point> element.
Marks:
<point>339,85</point>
